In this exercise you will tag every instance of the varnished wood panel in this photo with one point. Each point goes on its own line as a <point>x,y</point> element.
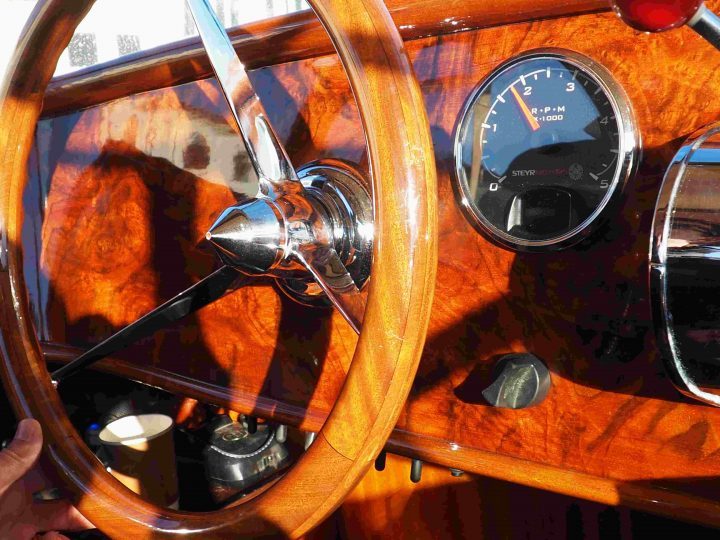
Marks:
<point>612,429</point>
<point>292,37</point>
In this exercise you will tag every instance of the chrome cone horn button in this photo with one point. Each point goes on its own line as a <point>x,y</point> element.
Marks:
<point>318,230</point>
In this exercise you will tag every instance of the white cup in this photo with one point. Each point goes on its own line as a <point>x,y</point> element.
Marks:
<point>142,456</point>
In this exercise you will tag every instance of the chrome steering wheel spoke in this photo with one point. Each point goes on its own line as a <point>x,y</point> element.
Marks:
<point>275,171</point>
<point>286,223</point>
<point>335,280</point>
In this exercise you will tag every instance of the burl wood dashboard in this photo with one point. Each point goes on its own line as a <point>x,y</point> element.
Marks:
<point>133,163</point>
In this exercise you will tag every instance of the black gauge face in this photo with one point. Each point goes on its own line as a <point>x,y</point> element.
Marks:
<point>541,149</point>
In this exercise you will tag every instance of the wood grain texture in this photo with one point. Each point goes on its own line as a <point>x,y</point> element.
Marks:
<point>293,37</point>
<point>399,298</point>
<point>613,429</point>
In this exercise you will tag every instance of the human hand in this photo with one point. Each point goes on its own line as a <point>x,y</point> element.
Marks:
<point>22,517</point>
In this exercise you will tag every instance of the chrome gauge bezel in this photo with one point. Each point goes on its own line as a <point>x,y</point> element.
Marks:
<point>692,154</point>
<point>628,155</point>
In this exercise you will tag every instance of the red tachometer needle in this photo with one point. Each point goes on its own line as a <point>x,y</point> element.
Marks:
<point>526,111</point>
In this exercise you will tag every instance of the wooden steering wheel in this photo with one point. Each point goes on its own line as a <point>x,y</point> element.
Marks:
<point>395,320</point>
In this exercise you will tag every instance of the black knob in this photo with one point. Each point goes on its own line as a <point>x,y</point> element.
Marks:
<point>252,424</point>
<point>521,381</point>
<point>380,461</point>
<point>416,471</point>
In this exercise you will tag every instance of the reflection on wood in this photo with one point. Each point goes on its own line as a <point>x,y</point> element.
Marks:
<point>612,429</point>
<point>134,187</point>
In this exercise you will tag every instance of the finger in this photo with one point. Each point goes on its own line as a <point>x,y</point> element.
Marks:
<point>21,453</point>
<point>34,480</point>
<point>58,515</point>
<point>53,536</point>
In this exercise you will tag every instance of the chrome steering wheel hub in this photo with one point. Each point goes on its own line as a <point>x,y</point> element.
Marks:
<point>316,240</point>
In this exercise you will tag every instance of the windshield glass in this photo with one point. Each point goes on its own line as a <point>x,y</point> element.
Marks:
<point>114,28</point>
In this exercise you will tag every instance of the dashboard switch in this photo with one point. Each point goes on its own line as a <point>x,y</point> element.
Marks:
<point>521,381</point>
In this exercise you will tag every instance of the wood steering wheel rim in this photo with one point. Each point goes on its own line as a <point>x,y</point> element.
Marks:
<point>396,319</point>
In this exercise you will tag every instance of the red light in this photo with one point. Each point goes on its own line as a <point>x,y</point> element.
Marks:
<point>656,15</point>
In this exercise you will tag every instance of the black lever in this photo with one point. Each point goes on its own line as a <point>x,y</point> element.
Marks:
<point>201,294</point>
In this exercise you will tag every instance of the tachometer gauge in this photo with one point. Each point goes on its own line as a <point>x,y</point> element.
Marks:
<point>544,146</point>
